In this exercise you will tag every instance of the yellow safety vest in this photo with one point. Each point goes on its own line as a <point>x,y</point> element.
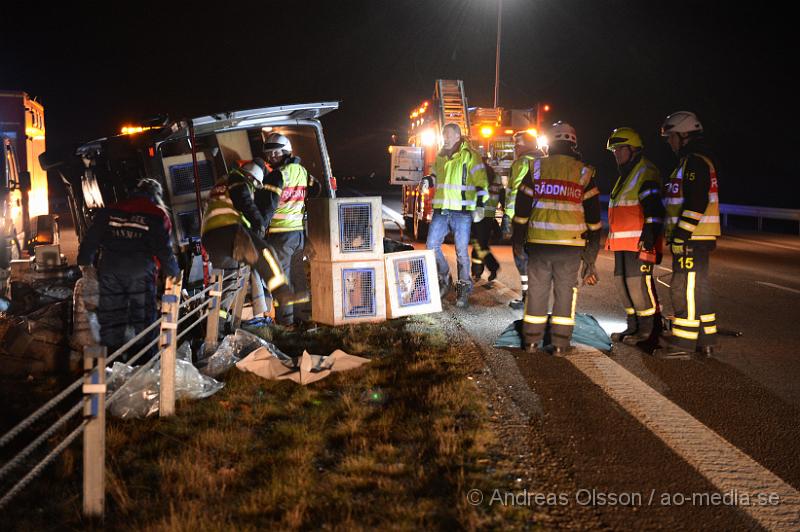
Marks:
<point>557,216</point>
<point>519,169</point>
<point>220,211</point>
<point>457,179</point>
<point>708,227</point>
<point>292,204</point>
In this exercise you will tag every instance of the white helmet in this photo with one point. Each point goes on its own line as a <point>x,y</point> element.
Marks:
<point>276,141</point>
<point>255,169</point>
<point>681,122</point>
<point>564,131</point>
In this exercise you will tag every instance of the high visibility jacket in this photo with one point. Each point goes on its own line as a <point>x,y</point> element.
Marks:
<point>519,169</point>
<point>220,211</point>
<point>626,214</point>
<point>558,187</point>
<point>458,179</point>
<point>291,207</point>
<point>682,221</point>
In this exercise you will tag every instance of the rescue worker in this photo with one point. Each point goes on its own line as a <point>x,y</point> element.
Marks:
<point>526,148</point>
<point>133,240</point>
<point>233,228</point>
<point>691,199</point>
<point>559,203</point>
<point>635,219</point>
<point>482,231</point>
<point>284,193</point>
<point>460,175</point>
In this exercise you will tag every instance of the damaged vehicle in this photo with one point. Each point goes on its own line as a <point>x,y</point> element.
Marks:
<point>187,157</point>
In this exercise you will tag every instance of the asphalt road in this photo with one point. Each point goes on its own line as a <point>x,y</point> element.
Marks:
<point>748,394</point>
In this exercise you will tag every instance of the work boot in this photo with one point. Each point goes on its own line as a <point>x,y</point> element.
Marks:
<point>462,294</point>
<point>643,333</point>
<point>492,275</point>
<point>533,349</point>
<point>708,351</point>
<point>445,285</point>
<point>672,352</point>
<point>632,327</point>
<point>560,351</point>
<point>518,304</point>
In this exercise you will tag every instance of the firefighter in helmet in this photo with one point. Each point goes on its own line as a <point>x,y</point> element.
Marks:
<point>233,228</point>
<point>559,204</point>
<point>691,198</point>
<point>635,219</point>
<point>282,200</point>
<point>526,148</point>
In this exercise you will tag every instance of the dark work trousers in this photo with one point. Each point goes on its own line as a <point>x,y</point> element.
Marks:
<point>289,247</point>
<point>219,244</point>
<point>127,297</point>
<point>521,262</point>
<point>551,268</point>
<point>481,252</point>
<point>694,324</point>
<point>634,280</point>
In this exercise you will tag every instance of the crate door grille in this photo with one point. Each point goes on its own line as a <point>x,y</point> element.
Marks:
<point>412,279</point>
<point>358,293</point>
<point>183,177</point>
<point>355,227</point>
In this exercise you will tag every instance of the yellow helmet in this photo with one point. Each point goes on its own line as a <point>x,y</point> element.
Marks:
<point>624,136</point>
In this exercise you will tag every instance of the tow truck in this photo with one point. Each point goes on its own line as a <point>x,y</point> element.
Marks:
<point>490,130</point>
<point>187,157</point>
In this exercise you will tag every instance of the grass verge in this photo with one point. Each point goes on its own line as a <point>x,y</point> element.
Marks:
<point>395,444</point>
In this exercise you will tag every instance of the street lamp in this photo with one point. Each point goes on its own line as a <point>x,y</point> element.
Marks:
<point>497,54</point>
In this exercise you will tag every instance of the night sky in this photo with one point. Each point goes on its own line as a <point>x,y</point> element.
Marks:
<point>599,64</point>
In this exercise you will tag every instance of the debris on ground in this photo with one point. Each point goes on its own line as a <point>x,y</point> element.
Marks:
<point>305,369</point>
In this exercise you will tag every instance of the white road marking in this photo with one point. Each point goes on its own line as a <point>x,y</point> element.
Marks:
<point>725,466</point>
<point>761,243</point>
<point>779,287</point>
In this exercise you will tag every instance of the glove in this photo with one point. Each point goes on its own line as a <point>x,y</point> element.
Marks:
<point>647,240</point>
<point>678,247</point>
<point>589,274</point>
<point>505,227</point>
<point>477,216</point>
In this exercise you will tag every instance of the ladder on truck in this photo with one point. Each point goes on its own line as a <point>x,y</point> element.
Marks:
<point>452,103</point>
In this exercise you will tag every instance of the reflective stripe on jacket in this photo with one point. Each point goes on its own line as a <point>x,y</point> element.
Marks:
<point>558,194</point>
<point>625,213</point>
<point>458,179</point>
<point>707,226</point>
<point>220,211</point>
<point>292,204</point>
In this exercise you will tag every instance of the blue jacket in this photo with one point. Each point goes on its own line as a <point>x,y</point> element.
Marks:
<point>131,234</point>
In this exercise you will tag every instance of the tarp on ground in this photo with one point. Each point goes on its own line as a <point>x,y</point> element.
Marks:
<point>587,331</point>
<point>304,370</point>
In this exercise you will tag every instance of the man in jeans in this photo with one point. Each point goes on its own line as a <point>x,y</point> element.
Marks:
<point>460,175</point>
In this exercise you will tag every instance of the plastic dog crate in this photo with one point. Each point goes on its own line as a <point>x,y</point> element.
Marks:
<point>346,229</point>
<point>347,292</point>
<point>412,285</point>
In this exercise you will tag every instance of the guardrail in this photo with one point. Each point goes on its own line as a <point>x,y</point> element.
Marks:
<point>208,303</point>
<point>748,211</point>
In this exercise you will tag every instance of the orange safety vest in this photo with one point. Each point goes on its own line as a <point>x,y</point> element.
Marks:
<point>625,213</point>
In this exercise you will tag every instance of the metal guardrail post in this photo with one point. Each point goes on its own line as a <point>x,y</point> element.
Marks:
<point>238,302</point>
<point>168,342</point>
<point>212,324</point>
<point>94,436</point>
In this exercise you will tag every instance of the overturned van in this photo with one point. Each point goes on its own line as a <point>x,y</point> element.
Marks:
<point>187,157</point>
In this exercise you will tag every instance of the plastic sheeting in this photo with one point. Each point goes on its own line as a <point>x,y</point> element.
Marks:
<point>587,331</point>
<point>235,347</point>
<point>304,370</point>
<point>138,397</point>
